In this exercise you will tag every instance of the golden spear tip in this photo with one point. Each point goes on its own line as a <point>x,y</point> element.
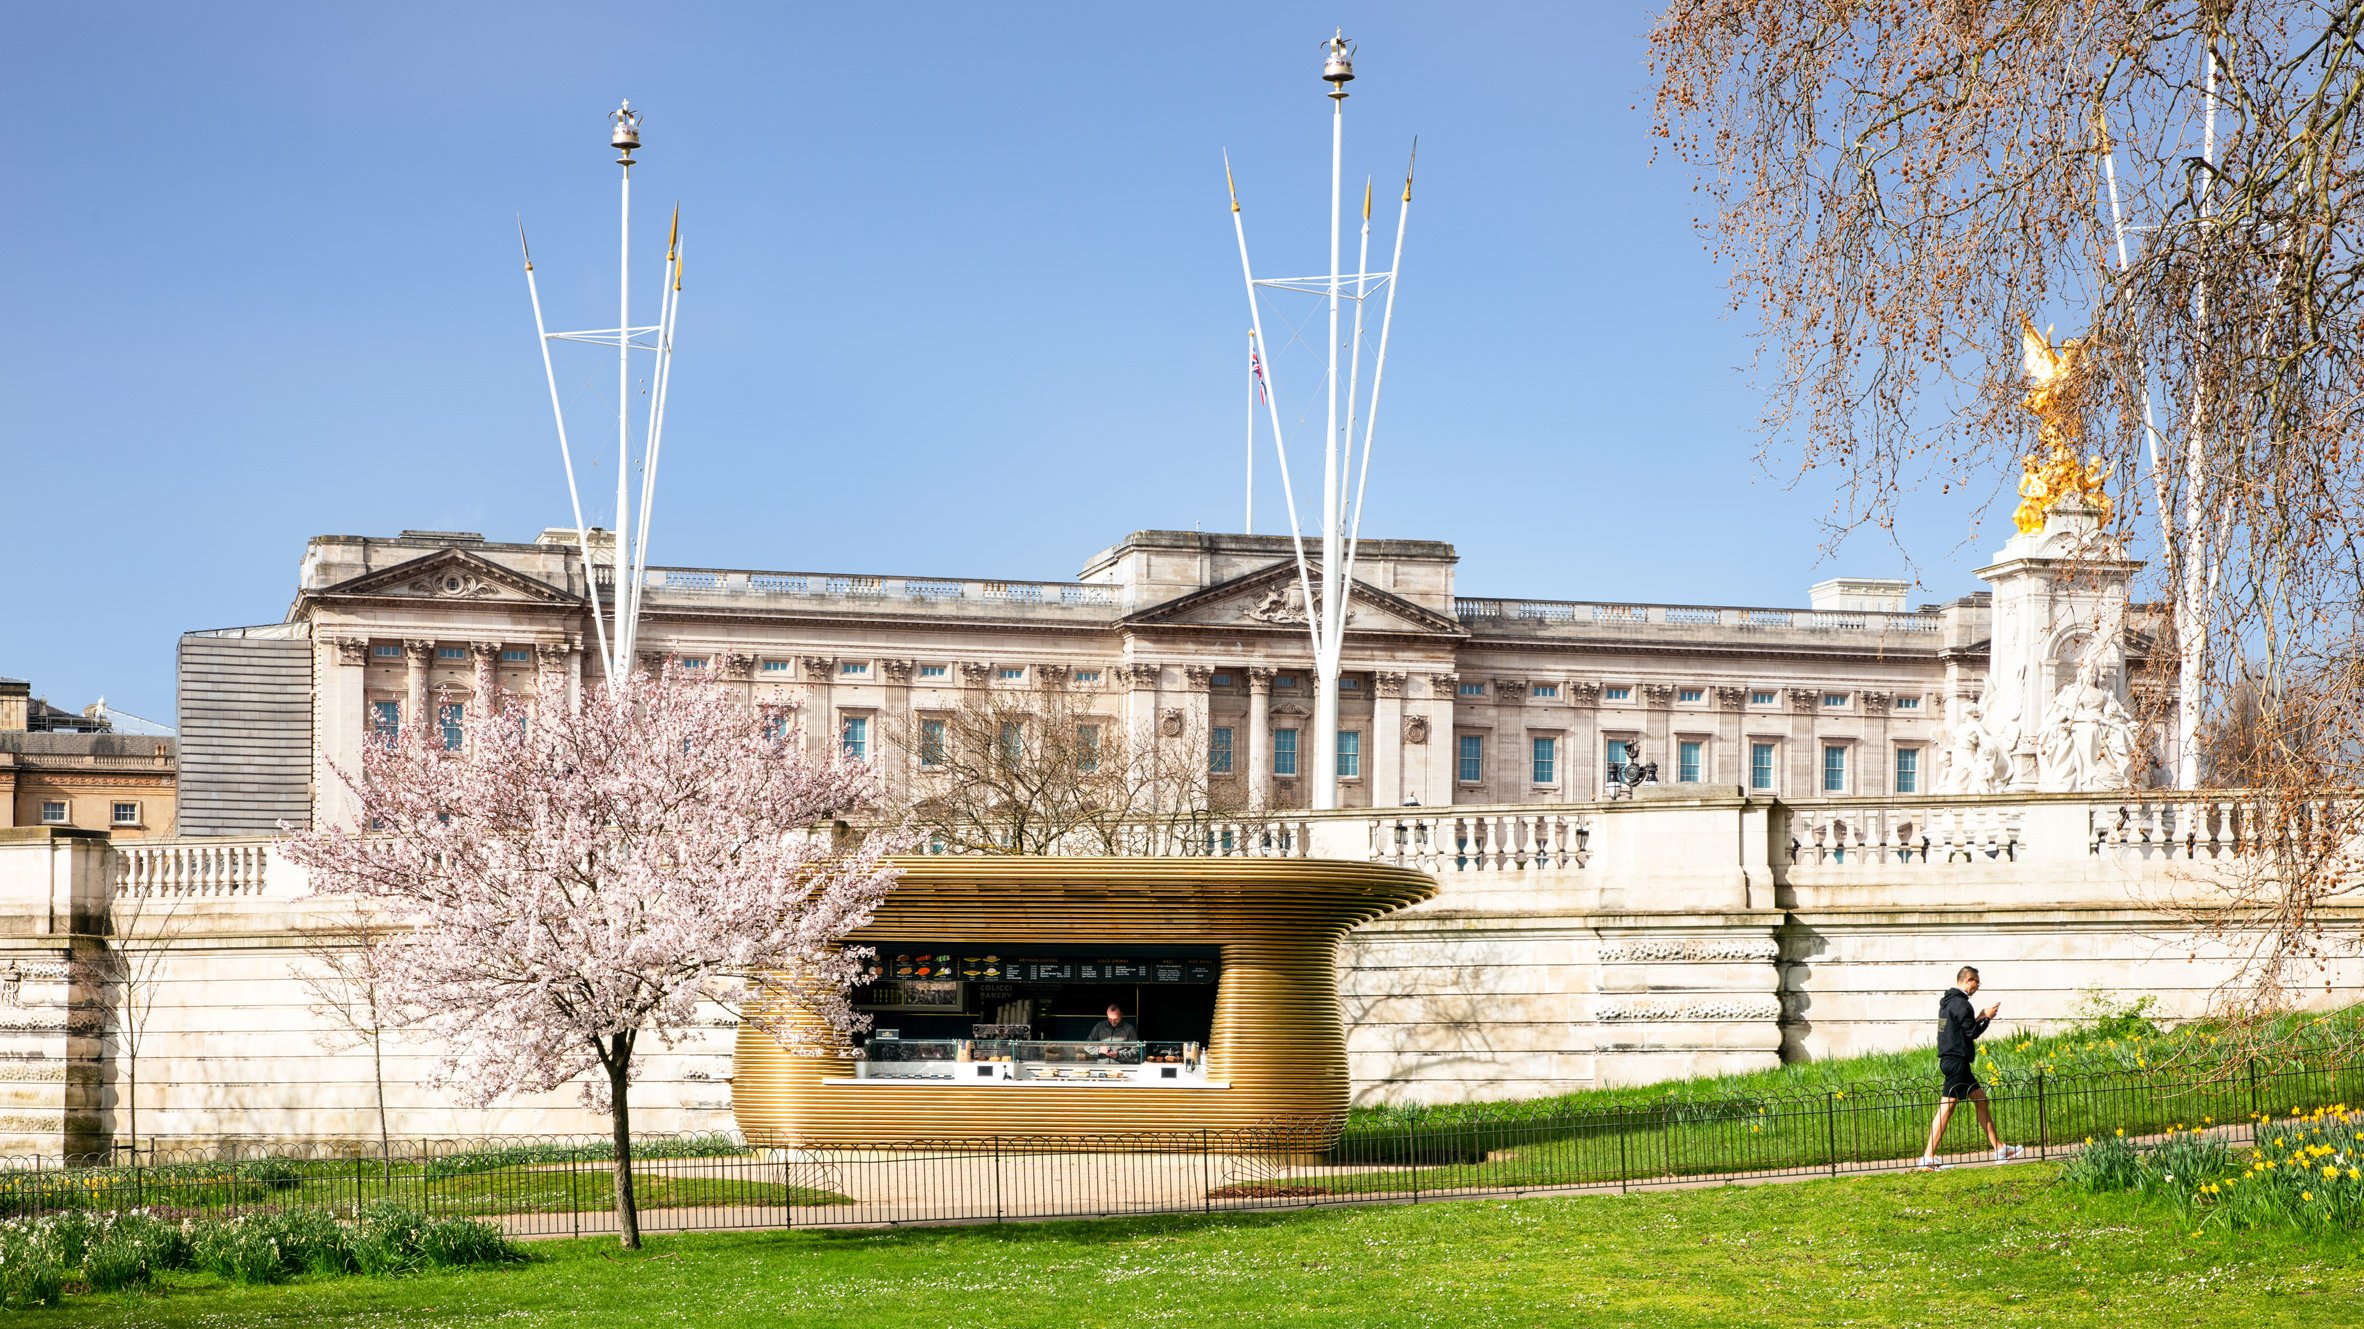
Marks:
<point>1228,183</point>
<point>521,246</point>
<point>673,241</point>
<point>1366,198</point>
<point>1409,166</point>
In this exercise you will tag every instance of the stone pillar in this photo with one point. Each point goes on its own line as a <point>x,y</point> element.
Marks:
<point>1197,710</point>
<point>1511,777</point>
<point>1387,738</point>
<point>1140,701</point>
<point>1439,740</point>
<point>56,883</point>
<point>820,725</point>
<point>1805,753</point>
<point>1730,759</point>
<point>1259,737</point>
<point>1874,758</point>
<point>1585,753</point>
<point>416,656</point>
<point>552,681</point>
<point>486,657</point>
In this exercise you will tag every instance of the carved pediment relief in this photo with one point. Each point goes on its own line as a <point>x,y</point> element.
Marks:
<point>449,574</point>
<point>1275,597</point>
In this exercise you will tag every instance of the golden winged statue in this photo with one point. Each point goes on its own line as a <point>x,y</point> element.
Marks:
<point>2053,475</point>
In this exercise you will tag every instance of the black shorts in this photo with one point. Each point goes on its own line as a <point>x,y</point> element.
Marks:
<point>1954,1074</point>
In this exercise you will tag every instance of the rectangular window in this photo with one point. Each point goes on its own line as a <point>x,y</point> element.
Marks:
<point>1350,685</point>
<point>1691,694</point>
<point>775,726</point>
<point>1908,703</point>
<point>1687,761</point>
<point>693,662</point>
<point>1760,698</point>
<point>452,717</point>
<point>1547,760</point>
<point>775,666</point>
<point>1834,699</point>
<point>1219,750</point>
<point>853,667</point>
<point>925,671</point>
<point>931,742</point>
<point>1908,770</point>
<point>1220,681</point>
<point>1760,766</point>
<point>512,655</point>
<point>383,651</point>
<point>53,812</point>
<point>1011,742</point>
<point>1616,694</point>
<point>1834,768</point>
<point>1013,673</point>
<point>451,652</point>
<point>385,718</point>
<point>1619,751</point>
<point>1350,755</point>
<point>1546,689</point>
<point>1285,681</point>
<point>1284,752</point>
<point>1473,689</point>
<point>127,814</point>
<point>1087,675</point>
<point>1472,766</point>
<point>853,733</point>
<point>1087,747</point>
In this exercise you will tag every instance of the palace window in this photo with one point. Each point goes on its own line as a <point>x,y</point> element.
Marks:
<point>775,727</point>
<point>1350,685</point>
<point>512,655</point>
<point>452,717</point>
<point>1284,752</point>
<point>451,652</point>
<point>1087,675</point>
<point>1691,695</point>
<point>1087,747</point>
<point>853,667</point>
<point>931,743</point>
<point>1546,689</point>
<point>693,662</point>
<point>925,671</point>
<point>1619,751</point>
<point>1834,768</point>
<point>1473,689</point>
<point>1013,673</point>
<point>1285,681</point>
<point>1219,750</point>
<point>1761,698</point>
<point>127,814</point>
<point>1220,681</point>
<point>53,812</point>
<point>1908,770</point>
<point>384,651</point>
<point>1760,766</point>
<point>1687,761</point>
<point>1011,742</point>
<point>1908,703</point>
<point>1350,755</point>
<point>1472,764</point>
<point>775,666</point>
<point>1616,694</point>
<point>853,733</point>
<point>1547,760</point>
<point>385,718</point>
<point>1832,700</point>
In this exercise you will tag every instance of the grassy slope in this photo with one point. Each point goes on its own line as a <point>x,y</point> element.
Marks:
<point>1985,1247</point>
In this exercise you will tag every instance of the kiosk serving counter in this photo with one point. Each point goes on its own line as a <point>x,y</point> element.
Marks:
<point>1229,966</point>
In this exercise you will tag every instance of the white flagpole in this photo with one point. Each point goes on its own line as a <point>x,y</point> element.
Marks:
<point>1249,525</point>
<point>1395,268</point>
<point>626,628</point>
<point>1280,445</point>
<point>668,301</point>
<point>565,457</point>
<point>1325,659</point>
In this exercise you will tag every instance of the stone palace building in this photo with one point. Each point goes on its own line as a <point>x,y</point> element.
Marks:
<point>1448,698</point>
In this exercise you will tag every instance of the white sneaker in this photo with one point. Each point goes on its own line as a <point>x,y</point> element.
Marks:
<point>2010,1153</point>
<point>1928,1165</point>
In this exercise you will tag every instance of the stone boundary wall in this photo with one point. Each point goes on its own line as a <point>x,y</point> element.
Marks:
<point>1696,932</point>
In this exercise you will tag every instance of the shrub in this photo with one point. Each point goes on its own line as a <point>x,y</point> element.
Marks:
<point>30,1275</point>
<point>129,1250</point>
<point>390,1239</point>
<point>241,1250</point>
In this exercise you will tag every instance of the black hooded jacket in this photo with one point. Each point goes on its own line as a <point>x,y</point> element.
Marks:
<point>1958,1026</point>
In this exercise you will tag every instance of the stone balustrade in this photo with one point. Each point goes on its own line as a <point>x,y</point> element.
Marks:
<point>931,593</point>
<point>1494,614</point>
<point>193,868</point>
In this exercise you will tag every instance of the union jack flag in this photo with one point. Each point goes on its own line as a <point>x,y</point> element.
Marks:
<point>1256,367</point>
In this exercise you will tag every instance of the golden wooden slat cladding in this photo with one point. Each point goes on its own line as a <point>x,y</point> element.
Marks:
<point>1278,1041</point>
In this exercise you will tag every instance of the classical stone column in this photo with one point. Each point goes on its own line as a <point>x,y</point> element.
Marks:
<point>416,656</point>
<point>553,680</point>
<point>1873,760</point>
<point>485,659</point>
<point>1443,781</point>
<point>1387,738</point>
<point>1197,709</point>
<point>1140,701</point>
<point>1259,737</point>
<point>1585,751</point>
<point>1805,756</point>
<point>820,726</point>
<point>1731,754</point>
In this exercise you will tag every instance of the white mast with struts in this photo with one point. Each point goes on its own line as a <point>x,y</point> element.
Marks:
<point>1341,520</point>
<point>618,624</point>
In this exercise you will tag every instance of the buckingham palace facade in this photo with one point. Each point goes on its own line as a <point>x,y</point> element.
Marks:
<point>1449,698</point>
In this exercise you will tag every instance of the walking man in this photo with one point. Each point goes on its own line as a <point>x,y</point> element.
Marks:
<point>1958,1029</point>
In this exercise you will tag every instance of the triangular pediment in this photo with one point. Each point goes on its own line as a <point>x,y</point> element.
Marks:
<point>449,574</point>
<point>1274,598</point>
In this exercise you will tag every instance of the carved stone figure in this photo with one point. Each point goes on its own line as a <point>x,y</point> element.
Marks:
<point>1415,729</point>
<point>1970,762</point>
<point>2086,740</point>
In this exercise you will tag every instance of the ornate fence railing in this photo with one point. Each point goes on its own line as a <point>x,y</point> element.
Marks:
<point>552,1186</point>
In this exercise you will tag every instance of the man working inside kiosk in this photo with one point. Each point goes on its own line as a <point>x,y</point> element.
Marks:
<point>1115,1029</point>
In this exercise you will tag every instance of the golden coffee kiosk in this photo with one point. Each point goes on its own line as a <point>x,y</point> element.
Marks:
<point>994,976</point>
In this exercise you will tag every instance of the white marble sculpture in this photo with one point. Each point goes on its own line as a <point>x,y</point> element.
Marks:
<point>2087,739</point>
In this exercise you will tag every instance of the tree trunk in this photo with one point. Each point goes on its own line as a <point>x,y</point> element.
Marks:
<point>619,1085</point>
<point>377,1061</point>
<point>131,1096</point>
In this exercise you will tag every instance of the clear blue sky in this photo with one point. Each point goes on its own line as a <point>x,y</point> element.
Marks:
<point>962,298</point>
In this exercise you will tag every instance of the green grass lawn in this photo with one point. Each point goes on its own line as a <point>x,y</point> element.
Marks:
<point>547,1188</point>
<point>1998,1246</point>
